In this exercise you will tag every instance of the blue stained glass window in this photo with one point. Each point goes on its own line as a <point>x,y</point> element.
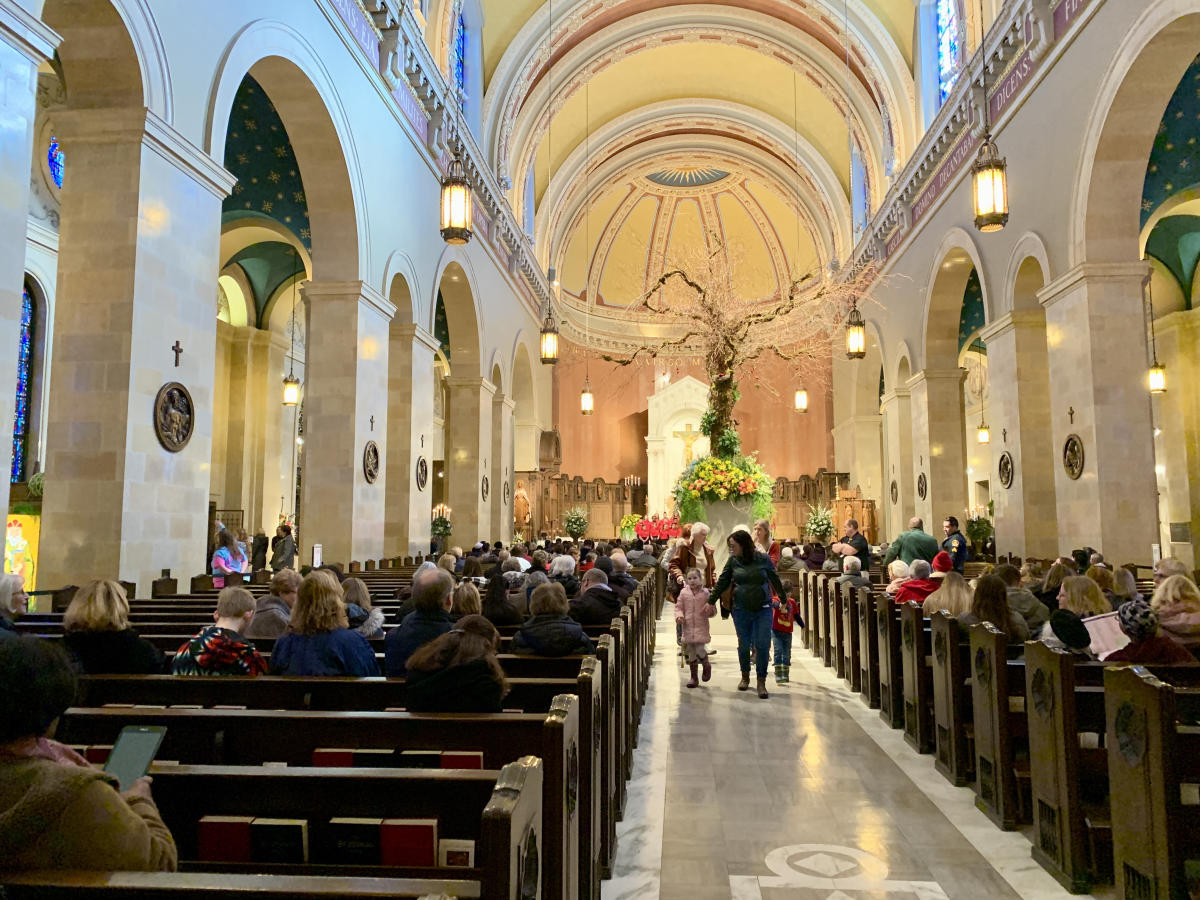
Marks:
<point>460,60</point>
<point>949,50</point>
<point>20,440</point>
<point>54,158</point>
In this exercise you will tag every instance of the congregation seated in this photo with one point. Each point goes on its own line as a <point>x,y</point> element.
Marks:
<point>465,600</point>
<point>14,603</point>
<point>1066,631</point>
<point>787,561</point>
<point>898,573</point>
<point>942,564</point>
<point>56,809</point>
<point>1103,577</point>
<point>1177,602</point>
<point>432,599</point>
<point>1052,584</point>
<point>458,671</point>
<point>954,596</point>
<point>364,617</point>
<point>533,578</point>
<point>498,607</point>
<point>919,584</point>
<point>562,571</point>
<point>273,611</point>
<point>97,633</point>
<point>640,556</point>
<point>1081,595</point>
<point>319,640</point>
<point>989,603</point>
<point>1022,601</point>
<point>512,573</point>
<point>1125,587</point>
<point>852,575</point>
<point>619,577</point>
<point>222,648</point>
<point>449,562</point>
<point>597,603</point>
<point>814,556</point>
<point>551,631</point>
<point>1147,645</point>
<point>1168,566</point>
<point>472,570</point>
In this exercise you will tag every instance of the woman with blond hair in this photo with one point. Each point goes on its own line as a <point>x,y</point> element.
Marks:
<point>364,618</point>
<point>1082,596</point>
<point>1177,602</point>
<point>97,634</point>
<point>1104,580</point>
<point>954,596</point>
<point>319,640</point>
<point>466,600</point>
<point>1048,592</point>
<point>449,562</point>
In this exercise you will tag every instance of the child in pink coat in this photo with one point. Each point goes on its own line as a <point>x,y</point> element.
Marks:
<point>692,612</point>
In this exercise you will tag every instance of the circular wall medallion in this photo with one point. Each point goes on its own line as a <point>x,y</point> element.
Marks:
<point>922,486</point>
<point>1073,456</point>
<point>507,493</point>
<point>1006,469</point>
<point>485,487</point>
<point>174,416</point>
<point>895,492</point>
<point>371,462</point>
<point>422,473</point>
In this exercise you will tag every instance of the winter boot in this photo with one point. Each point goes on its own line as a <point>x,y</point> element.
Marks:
<point>744,684</point>
<point>779,674</point>
<point>705,669</point>
<point>693,683</point>
<point>787,674</point>
<point>762,689</point>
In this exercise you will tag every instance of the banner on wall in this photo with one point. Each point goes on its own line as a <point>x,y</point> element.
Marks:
<point>21,548</point>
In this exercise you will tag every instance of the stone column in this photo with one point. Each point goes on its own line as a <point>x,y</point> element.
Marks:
<point>1019,417</point>
<point>1095,329</point>
<point>141,213</point>
<point>939,446</point>
<point>25,43</point>
<point>502,467</point>
<point>277,450</point>
<point>898,461</point>
<point>859,449</point>
<point>468,451</point>
<point>345,406</point>
<point>410,439</point>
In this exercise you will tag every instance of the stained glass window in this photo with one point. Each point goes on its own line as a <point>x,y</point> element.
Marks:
<point>20,440</point>
<point>460,60</point>
<point>54,158</point>
<point>949,50</point>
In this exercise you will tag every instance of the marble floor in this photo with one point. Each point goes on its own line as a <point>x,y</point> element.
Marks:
<point>806,795</point>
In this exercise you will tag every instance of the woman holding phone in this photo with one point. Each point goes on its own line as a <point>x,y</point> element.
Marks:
<point>56,810</point>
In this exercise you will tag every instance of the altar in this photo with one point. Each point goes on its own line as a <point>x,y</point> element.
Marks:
<point>673,438</point>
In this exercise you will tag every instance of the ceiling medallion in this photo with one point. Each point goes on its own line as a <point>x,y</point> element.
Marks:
<point>687,176</point>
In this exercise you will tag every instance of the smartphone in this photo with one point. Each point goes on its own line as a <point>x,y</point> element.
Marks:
<point>133,752</point>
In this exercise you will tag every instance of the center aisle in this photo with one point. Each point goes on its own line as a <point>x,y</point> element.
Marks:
<point>805,795</point>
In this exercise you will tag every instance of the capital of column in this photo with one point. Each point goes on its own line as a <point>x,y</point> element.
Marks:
<point>471,382</point>
<point>505,401</point>
<point>889,397</point>
<point>926,376</point>
<point>77,127</point>
<point>1136,271</point>
<point>416,334</point>
<point>349,291</point>
<point>1010,321</point>
<point>27,34</point>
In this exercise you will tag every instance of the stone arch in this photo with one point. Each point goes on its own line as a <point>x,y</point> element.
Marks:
<point>456,284</point>
<point>1028,254</point>
<point>1124,120</point>
<point>291,73</point>
<point>525,407</point>
<point>401,287</point>
<point>35,281</point>
<point>903,367</point>
<point>955,258</point>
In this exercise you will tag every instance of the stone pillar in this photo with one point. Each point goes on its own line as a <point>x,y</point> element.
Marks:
<point>345,406</point>
<point>502,467</point>
<point>138,248</point>
<point>277,450</point>
<point>525,446</point>
<point>898,461</point>
<point>1095,330</point>
<point>1019,417</point>
<point>859,451</point>
<point>468,451</point>
<point>939,446</point>
<point>410,439</point>
<point>25,42</point>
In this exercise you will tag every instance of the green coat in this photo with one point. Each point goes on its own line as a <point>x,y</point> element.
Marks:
<point>910,545</point>
<point>751,582</point>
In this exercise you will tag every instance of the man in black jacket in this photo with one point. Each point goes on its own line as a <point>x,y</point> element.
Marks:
<point>597,603</point>
<point>620,576</point>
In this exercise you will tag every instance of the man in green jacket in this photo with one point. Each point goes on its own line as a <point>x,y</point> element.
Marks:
<point>912,544</point>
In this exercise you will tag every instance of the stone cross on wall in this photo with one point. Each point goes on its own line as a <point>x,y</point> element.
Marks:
<point>689,437</point>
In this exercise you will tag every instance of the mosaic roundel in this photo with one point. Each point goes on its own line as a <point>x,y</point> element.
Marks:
<point>1073,456</point>
<point>422,473</point>
<point>922,486</point>
<point>371,462</point>
<point>1006,469</point>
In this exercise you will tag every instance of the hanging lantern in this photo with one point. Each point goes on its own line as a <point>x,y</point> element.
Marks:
<point>549,342</point>
<point>984,434</point>
<point>1158,378</point>
<point>802,400</point>
<point>291,389</point>
<point>990,182</point>
<point>856,335</point>
<point>456,205</point>
<point>587,400</point>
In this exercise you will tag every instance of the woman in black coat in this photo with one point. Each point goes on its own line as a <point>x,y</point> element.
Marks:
<point>458,672</point>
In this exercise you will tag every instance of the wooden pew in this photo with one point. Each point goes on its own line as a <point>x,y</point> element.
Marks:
<point>891,688</point>
<point>508,830</point>
<point>831,623</point>
<point>868,647</point>
<point>1151,756</point>
<point>953,721</point>
<point>848,637</point>
<point>1001,730</point>
<point>918,677</point>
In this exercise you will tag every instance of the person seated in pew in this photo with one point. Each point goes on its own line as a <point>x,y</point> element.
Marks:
<point>319,640</point>
<point>954,596</point>
<point>605,565</point>
<point>919,585</point>
<point>787,562</point>
<point>1147,646</point>
<point>449,562</point>
<point>1177,602</point>
<point>473,571</point>
<point>1022,602</point>
<point>852,575</point>
<point>532,579</point>
<point>432,598</point>
<point>551,632</point>
<point>98,635</point>
<point>222,649</point>
<point>465,601</point>
<point>597,603</point>
<point>1052,585</point>
<point>1125,587</point>
<point>458,672</point>
<point>990,604</point>
<point>1103,577</point>
<point>1066,631</point>
<point>273,611</point>
<point>897,571</point>
<point>497,565</point>
<point>1032,577</point>
<point>510,571</point>
<point>562,571</point>
<point>498,607</point>
<point>57,811</point>
<point>364,618</point>
<point>1081,595</point>
<point>942,565</point>
<point>619,578</point>
<point>14,603</point>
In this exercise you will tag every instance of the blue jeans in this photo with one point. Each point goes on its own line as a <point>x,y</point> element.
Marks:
<point>782,642</point>
<point>753,627</point>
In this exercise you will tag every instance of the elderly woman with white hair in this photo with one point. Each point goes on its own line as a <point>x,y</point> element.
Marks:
<point>694,553</point>
<point>14,603</point>
<point>562,571</point>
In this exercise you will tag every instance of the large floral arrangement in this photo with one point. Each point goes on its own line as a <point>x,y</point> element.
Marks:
<point>713,478</point>
<point>820,522</point>
<point>629,521</point>
<point>440,527</point>
<point>575,522</point>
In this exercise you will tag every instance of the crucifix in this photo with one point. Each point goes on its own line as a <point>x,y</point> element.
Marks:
<point>689,437</point>
<point>1071,413</point>
<point>1004,434</point>
<point>178,348</point>
<point>372,423</point>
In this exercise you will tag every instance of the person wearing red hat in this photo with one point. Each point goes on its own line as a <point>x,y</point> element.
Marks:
<point>942,563</point>
<point>919,586</point>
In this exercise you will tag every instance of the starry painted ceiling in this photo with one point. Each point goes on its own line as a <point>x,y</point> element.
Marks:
<point>441,326</point>
<point>1175,159</point>
<point>971,319</point>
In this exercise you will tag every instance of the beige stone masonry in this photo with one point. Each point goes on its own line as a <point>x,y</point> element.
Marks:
<point>410,439</point>
<point>468,455</point>
<point>939,445</point>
